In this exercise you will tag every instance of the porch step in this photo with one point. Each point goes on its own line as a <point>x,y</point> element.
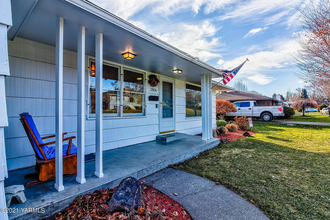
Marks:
<point>167,138</point>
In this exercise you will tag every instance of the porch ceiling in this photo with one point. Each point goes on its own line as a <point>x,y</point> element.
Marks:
<point>39,24</point>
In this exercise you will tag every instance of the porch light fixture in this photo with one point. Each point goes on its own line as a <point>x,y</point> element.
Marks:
<point>177,71</point>
<point>93,69</point>
<point>128,55</point>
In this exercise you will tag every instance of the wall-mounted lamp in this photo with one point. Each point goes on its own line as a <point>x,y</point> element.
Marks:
<point>128,55</point>
<point>177,71</point>
<point>93,69</point>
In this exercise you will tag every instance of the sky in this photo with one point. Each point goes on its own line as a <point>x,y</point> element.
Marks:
<point>223,33</point>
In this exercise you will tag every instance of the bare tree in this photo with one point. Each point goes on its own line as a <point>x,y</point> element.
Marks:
<point>313,59</point>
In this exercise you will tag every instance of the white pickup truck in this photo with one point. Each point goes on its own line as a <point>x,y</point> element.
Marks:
<point>251,109</point>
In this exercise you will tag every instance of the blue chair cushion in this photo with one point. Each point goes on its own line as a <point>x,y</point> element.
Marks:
<point>50,150</point>
<point>34,130</point>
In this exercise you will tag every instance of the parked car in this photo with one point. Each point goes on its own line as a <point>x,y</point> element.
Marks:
<point>310,110</point>
<point>325,111</point>
<point>251,109</point>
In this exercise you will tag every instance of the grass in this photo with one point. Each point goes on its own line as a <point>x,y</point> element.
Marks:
<point>310,117</point>
<point>283,170</point>
<point>191,112</point>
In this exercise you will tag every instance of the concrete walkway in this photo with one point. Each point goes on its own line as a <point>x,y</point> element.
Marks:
<point>302,123</point>
<point>202,198</point>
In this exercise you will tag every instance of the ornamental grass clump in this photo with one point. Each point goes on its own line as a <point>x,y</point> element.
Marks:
<point>221,123</point>
<point>232,127</point>
<point>222,130</point>
<point>241,122</point>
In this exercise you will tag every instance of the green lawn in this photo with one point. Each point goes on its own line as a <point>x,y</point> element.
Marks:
<point>310,117</point>
<point>283,170</point>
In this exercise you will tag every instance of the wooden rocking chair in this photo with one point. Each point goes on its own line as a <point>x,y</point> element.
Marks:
<point>45,154</point>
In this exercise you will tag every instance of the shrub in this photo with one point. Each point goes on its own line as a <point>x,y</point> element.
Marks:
<point>241,122</point>
<point>221,123</point>
<point>288,112</point>
<point>222,130</point>
<point>232,127</point>
<point>224,106</point>
<point>322,106</point>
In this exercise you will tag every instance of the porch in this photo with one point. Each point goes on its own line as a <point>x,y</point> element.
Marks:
<point>138,160</point>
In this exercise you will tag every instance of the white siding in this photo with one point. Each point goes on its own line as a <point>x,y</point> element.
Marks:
<point>31,88</point>
<point>183,124</point>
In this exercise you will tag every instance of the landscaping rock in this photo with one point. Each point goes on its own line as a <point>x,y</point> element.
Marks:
<point>246,134</point>
<point>224,140</point>
<point>126,197</point>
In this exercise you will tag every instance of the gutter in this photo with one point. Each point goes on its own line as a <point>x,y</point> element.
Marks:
<point>107,16</point>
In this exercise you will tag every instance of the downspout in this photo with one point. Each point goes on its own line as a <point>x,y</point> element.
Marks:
<point>5,24</point>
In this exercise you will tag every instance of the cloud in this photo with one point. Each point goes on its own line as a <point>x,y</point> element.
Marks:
<point>261,79</point>
<point>268,12</point>
<point>254,31</point>
<point>277,54</point>
<point>127,8</point>
<point>196,39</point>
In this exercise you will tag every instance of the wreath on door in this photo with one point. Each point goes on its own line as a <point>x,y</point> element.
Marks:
<point>153,80</point>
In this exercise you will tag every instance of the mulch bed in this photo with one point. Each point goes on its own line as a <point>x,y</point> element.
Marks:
<point>156,206</point>
<point>235,135</point>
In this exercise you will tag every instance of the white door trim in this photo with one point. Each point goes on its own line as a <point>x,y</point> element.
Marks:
<point>170,80</point>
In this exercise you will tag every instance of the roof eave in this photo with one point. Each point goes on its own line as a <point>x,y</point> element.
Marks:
<point>106,15</point>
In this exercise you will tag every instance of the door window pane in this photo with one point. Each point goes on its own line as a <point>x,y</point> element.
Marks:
<point>193,101</point>
<point>167,100</point>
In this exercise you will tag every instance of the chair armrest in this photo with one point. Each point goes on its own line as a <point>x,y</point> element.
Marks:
<point>51,136</point>
<point>53,142</point>
<point>68,138</point>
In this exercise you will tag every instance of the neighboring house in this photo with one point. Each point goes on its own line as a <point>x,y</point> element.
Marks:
<point>234,96</point>
<point>52,49</point>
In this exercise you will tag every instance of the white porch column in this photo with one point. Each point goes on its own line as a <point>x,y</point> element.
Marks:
<point>59,106</point>
<point>206,107</point>
<point>81,108</point>
<point>5,22</point>
<point>210,133</point>
<point>98,105</point>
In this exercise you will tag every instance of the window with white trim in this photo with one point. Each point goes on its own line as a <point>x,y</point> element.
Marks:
<point>132,91</point>
<point>193,101</point>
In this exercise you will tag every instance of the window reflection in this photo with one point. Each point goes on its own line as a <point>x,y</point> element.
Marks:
<point>110,90</point>
<point>193,101</point>
<point>133,94</point>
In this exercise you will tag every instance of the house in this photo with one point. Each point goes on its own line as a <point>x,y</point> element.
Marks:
<point>69,63</point>
<point>234,96</point>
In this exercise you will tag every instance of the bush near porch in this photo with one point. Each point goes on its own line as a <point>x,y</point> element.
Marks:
<point>283,170</point>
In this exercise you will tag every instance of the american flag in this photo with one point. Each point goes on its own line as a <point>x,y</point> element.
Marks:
<point>230,74</point>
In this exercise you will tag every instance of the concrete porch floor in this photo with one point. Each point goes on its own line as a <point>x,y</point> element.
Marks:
<point>137,160</point>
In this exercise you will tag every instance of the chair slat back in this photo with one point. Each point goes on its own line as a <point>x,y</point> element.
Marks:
<point>33,134</point>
